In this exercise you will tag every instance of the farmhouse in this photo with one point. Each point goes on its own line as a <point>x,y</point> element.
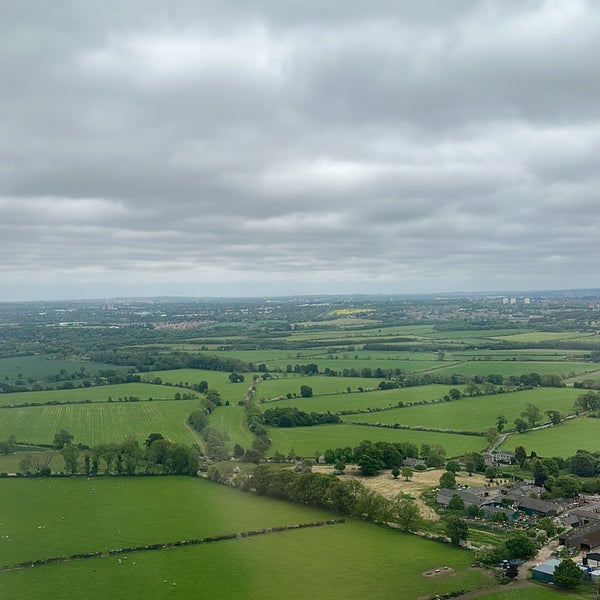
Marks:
<point>413,462</point>
<point>538,508</point>
<point>468,497</point>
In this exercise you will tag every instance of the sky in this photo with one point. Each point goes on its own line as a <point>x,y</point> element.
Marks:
<point>237,148</point>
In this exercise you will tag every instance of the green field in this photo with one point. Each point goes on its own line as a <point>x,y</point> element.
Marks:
<point>474,414</point>
<point>321,384</point>
<point>353,560</point>
<point>232,420</point>
<point>93,424</point>
<point>40,367</point>
<point>101,393</point>
<point>563,440</point>
<point>306,441</point>
<point>365,400</point>
<point>483,367</point>
<point>217,380</point>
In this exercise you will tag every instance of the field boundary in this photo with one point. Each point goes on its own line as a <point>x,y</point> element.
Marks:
<point>167,545</point>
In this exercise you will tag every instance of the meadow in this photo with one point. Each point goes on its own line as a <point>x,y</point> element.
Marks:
<point>477,413</point>
<point>562,440</point>
<point>320,384</point>
<point>311,441</point>
<point>349,560</point>
<point>365,400</point>
<point>94,424</point>
<point>508,368</point>
<point>101,393</point>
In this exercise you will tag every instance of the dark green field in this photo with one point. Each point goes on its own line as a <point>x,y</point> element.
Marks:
<point>352,560</point>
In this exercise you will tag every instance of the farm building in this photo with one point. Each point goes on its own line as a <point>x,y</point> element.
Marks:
<point>544,572</point>
<point>413,462</point>
<point>582,538</point>
<point>468,497</point>
<point>538,508</point>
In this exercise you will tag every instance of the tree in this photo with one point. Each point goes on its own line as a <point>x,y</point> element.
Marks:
<point>407,511</point>
<point>457,530</point>
<point>454,394</point>
<point>532,414</point>
<point>448,480</point>
<point>500,423</point>
<point>453,466</point>
<point>520,455</point>
<point>491,473</point>
<point>62,438</point>
<point>371,460</point>
<point>554,416</point>
<point>152,438</point>
<point>456,503</point>
<point>395,472</point>
<point>521,425</point>
<point>567,574</point>
<point>203,387</point>
<point>407,473</point>
<point>519,545</point>
<point>236,378</point>
<point>306,391</point>
<point>70,455</point>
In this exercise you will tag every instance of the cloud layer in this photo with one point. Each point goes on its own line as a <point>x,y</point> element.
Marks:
<point>206,148</point>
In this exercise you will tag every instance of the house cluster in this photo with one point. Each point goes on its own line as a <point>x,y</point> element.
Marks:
<point>521,502</point>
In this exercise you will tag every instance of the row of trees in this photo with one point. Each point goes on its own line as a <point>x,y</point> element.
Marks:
<point>157,456</point>
<point>293,417</point>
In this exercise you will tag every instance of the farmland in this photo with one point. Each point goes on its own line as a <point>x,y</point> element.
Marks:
<point>368,562</point>
<point>454,373</point>
<point>93,424</point>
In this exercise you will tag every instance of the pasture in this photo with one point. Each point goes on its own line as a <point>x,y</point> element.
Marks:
<point>217,380</point>
<point>482,367</point>
<point>366,400</point>
<point>308,441</point>
<point>94,424</point>
<point>353,560</point>
<point>232,420</point>
<point>477,413</point>
<point>321,384</point>
<point>562,440</point>
<point>101,393</point>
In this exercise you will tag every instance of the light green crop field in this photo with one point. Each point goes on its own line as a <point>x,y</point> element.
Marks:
<point>321,384</point>
<point>100,423</point>
<point>306,441</point>
<point>563,440</point>
<point>517,355</point>
<point>217,380</point>
<point>477,413</point>
<point>479,334</point>
<point>365,400</point>
<point>101,393</point>
<point>232,420</point>
<point>540,336</point>
<point>477,367</point>
<point>353,560</point>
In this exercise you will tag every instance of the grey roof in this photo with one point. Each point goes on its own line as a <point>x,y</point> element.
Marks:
<point>547,567</point>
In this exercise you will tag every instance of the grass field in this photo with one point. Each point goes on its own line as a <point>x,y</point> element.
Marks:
<point>483,367</point>
<point>321,384</point>
<point>217,380</point>
<point>306,441</point>
<point>232,420</point>
<point>353,560</point>
<point>365,400</point>
<point>477,413</point>
<point>563,440</point>
<point>101,393</point>
<point>99,423</point>
<point>40,367</point>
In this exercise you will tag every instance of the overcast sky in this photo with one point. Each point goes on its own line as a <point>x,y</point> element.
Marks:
<point>257,148</point>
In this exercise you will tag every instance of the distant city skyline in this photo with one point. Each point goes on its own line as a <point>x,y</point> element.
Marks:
<point>240,149</point>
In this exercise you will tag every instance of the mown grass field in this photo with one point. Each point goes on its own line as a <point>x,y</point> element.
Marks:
<point>365,400</point>
<point>477,413</point>
<point>563,440</point>
<point>306,441</point>
<point>101,393</point>
<point>353,560</point>
<point>93,424</point>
